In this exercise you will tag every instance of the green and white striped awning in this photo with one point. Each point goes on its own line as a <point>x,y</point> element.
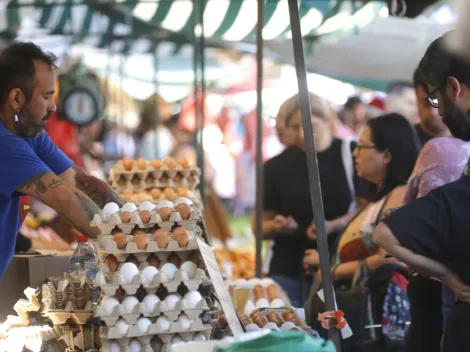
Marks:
<point>235,20</point>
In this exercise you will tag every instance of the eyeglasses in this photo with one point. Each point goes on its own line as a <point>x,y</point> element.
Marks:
<point>432,99</point>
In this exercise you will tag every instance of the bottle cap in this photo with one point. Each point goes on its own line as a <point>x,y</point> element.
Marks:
<point>81,239</point>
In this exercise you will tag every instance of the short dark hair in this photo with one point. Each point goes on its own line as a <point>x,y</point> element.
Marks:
<point>395,133</point>
<point>398,87</point>
<point>438,63</point>
<point>17,67</point>
<point>352,102</point>
<point>418,79</point>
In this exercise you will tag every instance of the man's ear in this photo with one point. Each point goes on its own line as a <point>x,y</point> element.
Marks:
<point>16,99</point>
<point>453,88</point>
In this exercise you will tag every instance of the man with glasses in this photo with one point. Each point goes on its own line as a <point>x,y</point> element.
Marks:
<point>432,234</point>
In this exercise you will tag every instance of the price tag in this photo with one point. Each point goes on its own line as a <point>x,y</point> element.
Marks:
<point>220,289</point>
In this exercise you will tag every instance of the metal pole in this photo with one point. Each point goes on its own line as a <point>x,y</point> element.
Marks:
<point>202,116</point>
<point>195,68</point>
<point>156,101</point>
<point>312,166</point>
<point>259,138</point>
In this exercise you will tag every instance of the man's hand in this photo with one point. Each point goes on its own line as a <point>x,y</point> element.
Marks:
<point>281,222</point>
<point>460,289</point>
<point>99,191</point>
<point>312,258</point>
<point>312,230</point>
<point>71,203</point>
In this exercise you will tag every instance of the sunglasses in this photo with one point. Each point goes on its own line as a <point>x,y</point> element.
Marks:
<point>432,99</point>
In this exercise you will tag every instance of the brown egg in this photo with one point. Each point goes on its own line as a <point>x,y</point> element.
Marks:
<point>141,241</point>
<point>181,235</point>
<point>112,263</point>
<point>182,192</point>
<point>141,191</point>
<point>162,237</point>
<point>125,217</point>
<point>164,213</point>
<point>195,257</point>
<point>156,164</point>
<point>128,192</point>
<point>273,292</point>
<point>142,197</point>
<point>127,164</point>
<point>128,197</point>
<point>121,240</point>
<point>183,162</point>
<point>136,232</point>
<point>184,210</point>
<point>141,163</point>
<point>145,215</point>
<point>132,259</point>
<point>154,261</point>
<point>174,259</point>
<point>155,193</point>
<point>135,181</point>
<point>169,162</point>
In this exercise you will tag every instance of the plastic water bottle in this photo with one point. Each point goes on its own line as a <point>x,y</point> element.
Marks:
<point>85,261</point>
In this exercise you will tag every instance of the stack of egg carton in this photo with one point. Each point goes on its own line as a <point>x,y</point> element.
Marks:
<point>67,297</point>
<point>149,177</point>
<point>154,288</point>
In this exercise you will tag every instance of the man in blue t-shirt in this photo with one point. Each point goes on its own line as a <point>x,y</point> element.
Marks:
<point>30,164</point>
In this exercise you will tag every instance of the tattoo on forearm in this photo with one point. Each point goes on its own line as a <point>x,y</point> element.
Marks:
<point>88,206</point>
<point>99,191</point>
<point>41,186</point>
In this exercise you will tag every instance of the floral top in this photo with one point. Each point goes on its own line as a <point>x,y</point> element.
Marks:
<point>441,161</point>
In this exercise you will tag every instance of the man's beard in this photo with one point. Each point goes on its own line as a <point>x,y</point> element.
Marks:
<point>456,121</point>
<point>26,128</point>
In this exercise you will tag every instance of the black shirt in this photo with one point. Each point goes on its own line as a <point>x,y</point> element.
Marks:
<point>437,226</point>
<point>422,136</point>
<point>286,192</point>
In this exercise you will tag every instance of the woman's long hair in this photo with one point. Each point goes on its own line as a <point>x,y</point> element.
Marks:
<point>394,133</point>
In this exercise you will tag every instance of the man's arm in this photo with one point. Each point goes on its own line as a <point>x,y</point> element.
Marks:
<point>99,191</point>
<point>70,202</point>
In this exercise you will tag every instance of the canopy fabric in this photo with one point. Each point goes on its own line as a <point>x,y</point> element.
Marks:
<point>235,20</point>
<point>387,49</point>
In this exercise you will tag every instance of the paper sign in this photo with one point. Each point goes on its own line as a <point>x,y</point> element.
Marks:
<point>346,332</point>
<point>220,289</point>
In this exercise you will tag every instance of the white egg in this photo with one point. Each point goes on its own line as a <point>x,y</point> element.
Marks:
<point>130,207</point>
<point>249,307</point>
<point>172,300</point>
<point>165,204</point>
<point>192,299</point>
<point>262,303</point>
<point>146,206</point>
<point>135,345</point>
<point>163,323</point>
<point>114,347</point>
<point>277,303</point>
<point>254,281</point>
<point>143,324</point>
<point>184,322</point>
<point>170,270</point>
<point>149,304</point>
<point>240,282</point>
<point>109,209</point>
<point>129,304</point>
<point>128,272</point>
<point>267,281</point>
<point>122,327</point>
<point>288,325</point>
<point>148,274</point>
<point>183,200</point>
<point>199,337</point>
<point>176,339</point>
<point>189,268</point>
<point>109,304</point>
<point>252,327</point>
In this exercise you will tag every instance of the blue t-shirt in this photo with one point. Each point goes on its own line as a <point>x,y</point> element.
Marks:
<point>20,160</point>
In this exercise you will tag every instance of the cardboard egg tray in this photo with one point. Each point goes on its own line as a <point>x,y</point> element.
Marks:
<point>71,294</point>
<point>107,226</point>
<point>161,308</point>
<point>138,198</point>
<point>110,282</point>
<point>106,245</point>
<point>134,179</point>
<point>165,335</point>
<point>60,317</point>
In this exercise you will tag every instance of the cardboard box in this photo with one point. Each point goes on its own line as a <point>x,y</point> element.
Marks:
<point>28,271</point>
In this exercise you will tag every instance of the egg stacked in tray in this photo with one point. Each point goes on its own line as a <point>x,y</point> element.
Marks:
<point>152,277</point>
<point>128,174</point>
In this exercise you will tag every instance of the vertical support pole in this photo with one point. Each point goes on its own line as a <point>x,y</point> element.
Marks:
<point>312,166</point>
<point>156,101</point>
<point>200,140</point>
<point>259,138</point>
